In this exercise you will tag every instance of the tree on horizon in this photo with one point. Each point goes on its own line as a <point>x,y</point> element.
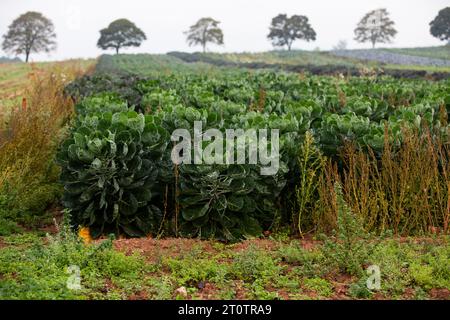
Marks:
<point>30,32</point>
<point>375,27</point>
<point>120,33</point>
<point>440,26</point>
<point>204,31</point>
<point>285,30</point>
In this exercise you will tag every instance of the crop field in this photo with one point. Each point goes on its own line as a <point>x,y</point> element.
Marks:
<point>15,78</point>
<point>214,161</point>
<point>100,196</point>
<point>146,65</point>
<point>320,58</point>
<point>394,58</point>
<point>442,52</point>
<point>296,57</point>
<point>351,62</point>
<point>323,115</point>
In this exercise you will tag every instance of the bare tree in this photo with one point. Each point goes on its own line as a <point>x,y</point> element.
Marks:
<point>205,31</point>
<point>376,27</point>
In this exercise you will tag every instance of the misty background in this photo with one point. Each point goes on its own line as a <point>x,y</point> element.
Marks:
<point>245,23</point>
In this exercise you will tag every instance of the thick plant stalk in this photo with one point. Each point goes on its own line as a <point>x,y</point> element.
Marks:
<point>177,193</point>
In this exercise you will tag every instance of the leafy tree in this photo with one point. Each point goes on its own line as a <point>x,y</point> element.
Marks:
<point>440,26</point>
<point>205,31</point>
<point>30,32</point>
<point>120,33</point>
<point>284,30</point>
<point>376,27</point>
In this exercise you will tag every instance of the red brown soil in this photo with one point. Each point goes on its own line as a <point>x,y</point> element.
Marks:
<point>208,292</point>
<point>440,294</point>
<point>409,294</point>
<point>241,291</point>
<point>341,284</point>
<point>153,249</point>
<point>141,295</point>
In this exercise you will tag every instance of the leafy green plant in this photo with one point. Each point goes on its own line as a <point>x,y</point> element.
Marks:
<point>259,292</point>
<point>31,270</point>
<point>99,103</point>
<point>365,112</point>
<point>195,271</point>
<point>109,171</point>
<point>308,263</point>
<point>321,286</point>
<point>161,288</point>
<point>359,289</point>
<point>219,201</point>
<point>7,225</point>
<point>431,271</point>
<point>349,248</point>
<point>253,264</point>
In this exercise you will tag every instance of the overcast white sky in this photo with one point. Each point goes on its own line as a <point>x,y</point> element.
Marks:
<point>244,22</point>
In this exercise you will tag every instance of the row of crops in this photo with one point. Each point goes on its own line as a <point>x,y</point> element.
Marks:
<point>312,63</point>
<point>148,64</point>
<point>296,61</point>
<point>117,168</point>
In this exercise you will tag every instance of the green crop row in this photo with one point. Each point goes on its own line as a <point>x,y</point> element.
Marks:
<point>117,167</point>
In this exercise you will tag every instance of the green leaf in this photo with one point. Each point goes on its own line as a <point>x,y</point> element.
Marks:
<point>235,203</point>
<point>97,163</point>
<point>196,212</point>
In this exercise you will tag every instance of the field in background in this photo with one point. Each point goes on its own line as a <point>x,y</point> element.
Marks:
<point>297,57</point>
<point>411,63</point>
<point>322,58</point>
<point>15,77</point>
<point>442,52</point>
<point>147,64</point>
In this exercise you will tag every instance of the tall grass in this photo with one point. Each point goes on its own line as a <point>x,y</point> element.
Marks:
<point>28,141</point>
<point>406,189</point>
<point>310,162</point>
